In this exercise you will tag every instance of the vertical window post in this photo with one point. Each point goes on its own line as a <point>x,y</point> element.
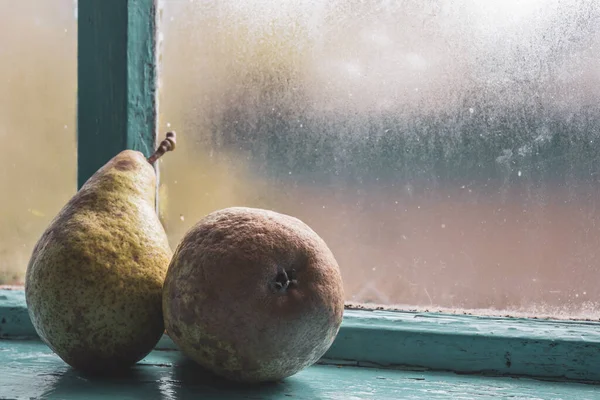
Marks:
<point>116,79</point>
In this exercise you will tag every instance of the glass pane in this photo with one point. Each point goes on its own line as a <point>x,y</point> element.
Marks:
<point>448,152</point>
<point>37,124</point>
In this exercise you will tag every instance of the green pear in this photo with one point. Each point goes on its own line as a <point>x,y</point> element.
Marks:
<point>253,295</point>
<point>94,281</point>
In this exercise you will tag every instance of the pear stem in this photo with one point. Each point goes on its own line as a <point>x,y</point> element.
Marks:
<point>166,145</point>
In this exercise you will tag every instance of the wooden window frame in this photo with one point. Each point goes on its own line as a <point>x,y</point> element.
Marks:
<point>117,109</point>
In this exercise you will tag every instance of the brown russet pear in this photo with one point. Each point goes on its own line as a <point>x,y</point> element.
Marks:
<point>94,281</point>
<point>253,295</point>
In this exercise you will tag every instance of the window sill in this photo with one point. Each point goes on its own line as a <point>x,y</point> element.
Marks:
<point>29,370</point>
<point>545,349</point>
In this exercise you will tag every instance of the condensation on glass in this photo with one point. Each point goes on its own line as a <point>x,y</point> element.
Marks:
<point>38,79</point>
<point>448,152</point>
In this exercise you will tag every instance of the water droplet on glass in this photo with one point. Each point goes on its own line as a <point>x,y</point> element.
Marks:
<point>181,217</point>
<point>168,124</point>
<point>443,226</point>
<point>519,173</point>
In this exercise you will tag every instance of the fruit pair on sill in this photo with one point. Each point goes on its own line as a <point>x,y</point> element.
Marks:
<point>250,294</point>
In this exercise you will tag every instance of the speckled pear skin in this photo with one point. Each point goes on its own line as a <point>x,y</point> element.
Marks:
<point>221,305</point>
<point>94,282</point>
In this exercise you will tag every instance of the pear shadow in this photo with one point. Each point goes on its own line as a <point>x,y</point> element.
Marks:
<point>178,377</point>
<point>189,378</point>
<point>135,382</point>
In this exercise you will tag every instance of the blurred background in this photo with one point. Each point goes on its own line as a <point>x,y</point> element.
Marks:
<point>446,151</point>
<point>38,93</point>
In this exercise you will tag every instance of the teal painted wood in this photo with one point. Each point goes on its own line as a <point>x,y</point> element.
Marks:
<point>470,344</point>
<point>116,107</point>
<point>14,318</point>
<point>559,350</point>
<point>29,370</point>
